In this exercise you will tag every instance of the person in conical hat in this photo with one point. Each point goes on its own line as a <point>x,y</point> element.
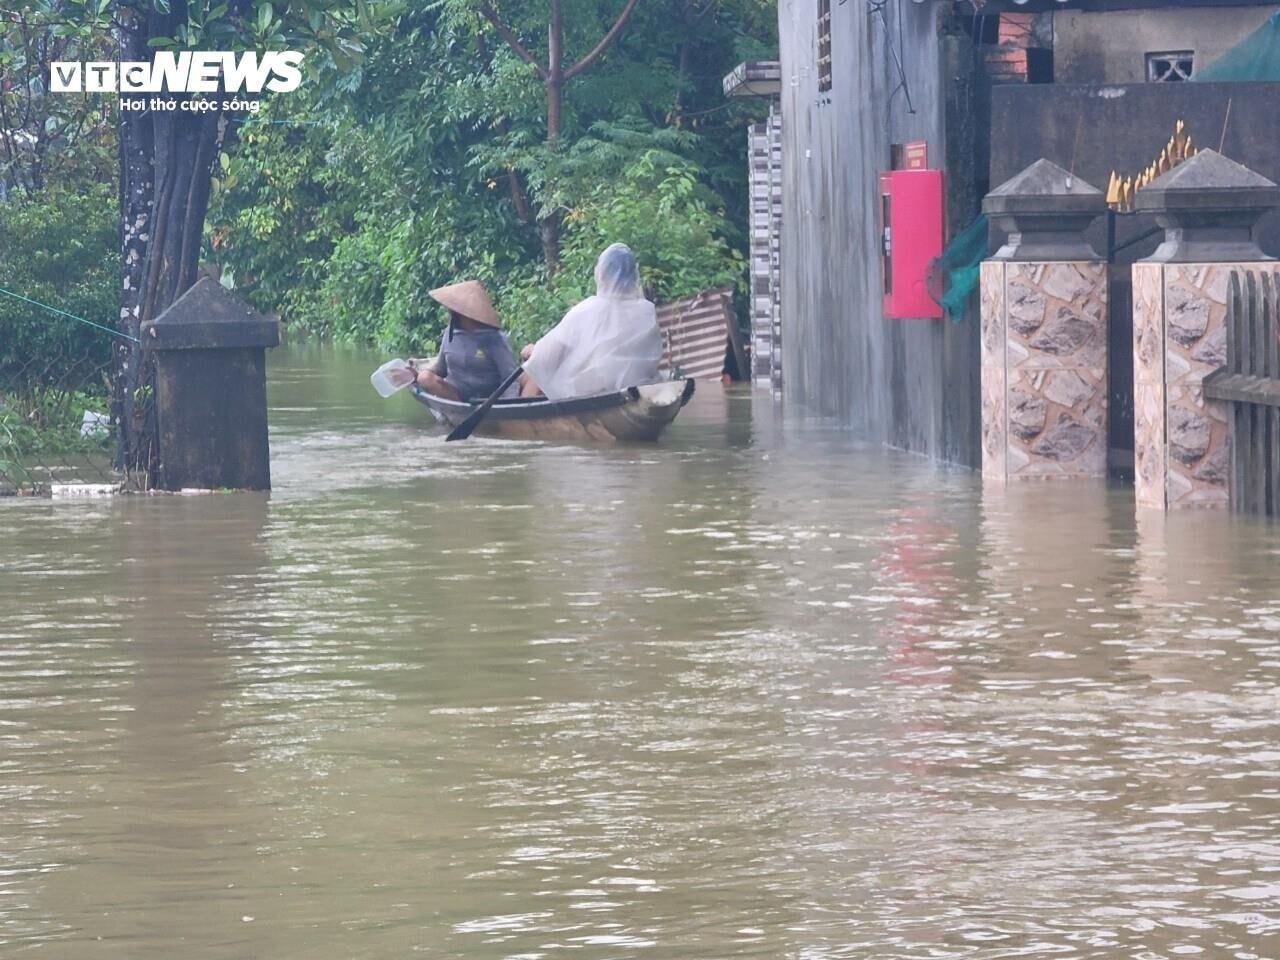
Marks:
<point>475,357</point>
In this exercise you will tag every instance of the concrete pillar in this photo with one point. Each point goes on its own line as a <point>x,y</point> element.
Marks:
<point>211,391</point>
<point>1044,331</point>
<point>1209,207</point>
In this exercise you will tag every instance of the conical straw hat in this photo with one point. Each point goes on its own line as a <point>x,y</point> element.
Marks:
<point>470,299</point>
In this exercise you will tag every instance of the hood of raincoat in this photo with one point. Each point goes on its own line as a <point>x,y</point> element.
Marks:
<point>606,342</point>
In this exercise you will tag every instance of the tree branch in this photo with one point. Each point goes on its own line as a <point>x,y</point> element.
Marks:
<point>513,42</point>
<point>604,43</point>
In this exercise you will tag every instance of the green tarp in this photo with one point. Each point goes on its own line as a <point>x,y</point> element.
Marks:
<point>959,262</point>
<point>1256,57</point>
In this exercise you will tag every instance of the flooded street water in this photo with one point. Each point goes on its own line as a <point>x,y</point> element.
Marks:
<point>758,691</point>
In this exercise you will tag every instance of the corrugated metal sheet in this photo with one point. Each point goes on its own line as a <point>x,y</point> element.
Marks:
<point>695,332</point>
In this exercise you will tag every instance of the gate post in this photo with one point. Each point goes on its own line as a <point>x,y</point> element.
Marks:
<point>211,391</point>
<point>1044,331</point>
<point>1209,207</point>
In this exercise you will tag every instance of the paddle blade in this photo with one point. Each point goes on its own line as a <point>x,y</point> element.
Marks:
<point>468,426</point>
<point>463,430</point>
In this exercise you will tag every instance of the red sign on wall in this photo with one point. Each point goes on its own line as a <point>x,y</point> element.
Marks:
<point>915,155</point>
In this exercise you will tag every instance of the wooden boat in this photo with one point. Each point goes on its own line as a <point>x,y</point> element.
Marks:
<point>636,413</point>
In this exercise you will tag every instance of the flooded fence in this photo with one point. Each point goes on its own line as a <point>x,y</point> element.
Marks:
<point>55,430</point>
<point>1249,383</point>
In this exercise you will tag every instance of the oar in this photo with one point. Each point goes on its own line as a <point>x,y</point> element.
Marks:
<point>468,426</point>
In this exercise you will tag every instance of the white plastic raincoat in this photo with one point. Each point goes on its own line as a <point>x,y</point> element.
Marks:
<point>606,342</point>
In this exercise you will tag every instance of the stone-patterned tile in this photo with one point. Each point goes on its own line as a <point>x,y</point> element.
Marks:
<point>1056,314</point>
<point>991,277</point>
<point>1199,448</point>
<point>1181,441</point>
<point>1057,422</point>
<point>994,441</point>
<point>1149,443</point>
<point>1148,322</point>
<point>1196,316</point>
<point>1195,312</point>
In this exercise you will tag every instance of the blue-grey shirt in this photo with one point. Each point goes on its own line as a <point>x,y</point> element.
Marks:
<point>475,362</point>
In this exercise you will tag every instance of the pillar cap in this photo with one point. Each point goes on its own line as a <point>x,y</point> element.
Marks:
<point>1209,207</point>
<point>209,317</point>
<point>1045,211</point>
<point>1207,181</point>
<point>1044,185</point>
<point>754,78</point>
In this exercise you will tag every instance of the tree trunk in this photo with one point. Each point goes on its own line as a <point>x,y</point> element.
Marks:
<point>186,146</point>
<point>136,187</point>
<point>682,72</point>
<point>549,224</point>
<point>553,76</point>
<point>166,174</point>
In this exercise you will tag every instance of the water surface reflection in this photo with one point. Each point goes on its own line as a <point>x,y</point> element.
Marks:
<point>753,692</point>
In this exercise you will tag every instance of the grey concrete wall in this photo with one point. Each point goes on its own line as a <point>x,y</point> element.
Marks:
<point>1111,47</point>
<point>912,384</point>
<point>1122,128</point>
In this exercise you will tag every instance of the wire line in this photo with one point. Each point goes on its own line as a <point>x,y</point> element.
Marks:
<point>63,313</point>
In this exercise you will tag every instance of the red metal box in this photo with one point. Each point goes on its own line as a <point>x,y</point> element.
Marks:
<point>911,218</point>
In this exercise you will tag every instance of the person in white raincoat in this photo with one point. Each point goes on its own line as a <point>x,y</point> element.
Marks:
<point>605,343</point>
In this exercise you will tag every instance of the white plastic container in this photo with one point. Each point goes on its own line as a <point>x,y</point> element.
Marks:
<point>391,376</point>
<point>95,424</point>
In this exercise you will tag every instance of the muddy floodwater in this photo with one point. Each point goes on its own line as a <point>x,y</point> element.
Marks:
<point>757,691</point>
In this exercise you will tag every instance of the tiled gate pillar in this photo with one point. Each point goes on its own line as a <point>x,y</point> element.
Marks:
<point>1044,331</point>
<point>1209,207</point>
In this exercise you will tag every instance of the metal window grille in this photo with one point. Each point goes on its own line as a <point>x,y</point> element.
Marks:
<point>1171,66</point>
<point>824,45</point>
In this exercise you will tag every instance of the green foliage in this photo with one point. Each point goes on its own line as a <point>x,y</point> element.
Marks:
<point>48,138</point>
<point>53,369</point>
<point>67,259</point>
<point>50,423</point>
<point>413,156</point>
<point>344,206</point>
<point>657,208</point>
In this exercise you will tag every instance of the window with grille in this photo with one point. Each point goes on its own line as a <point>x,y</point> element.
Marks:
<point>1173,66</point>
<point>824,45</point>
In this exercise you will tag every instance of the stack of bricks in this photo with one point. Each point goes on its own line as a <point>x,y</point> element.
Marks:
<point>1017,43</point>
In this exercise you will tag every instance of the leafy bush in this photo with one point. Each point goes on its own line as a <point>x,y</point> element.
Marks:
<point>341,210</point>
<point>367,244</point>
<point>344,229</point>
<point>53,369</point>
<point>67,259</point>
<point>50,423</point>
<point>656,207</point>
<point>658,210</point>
